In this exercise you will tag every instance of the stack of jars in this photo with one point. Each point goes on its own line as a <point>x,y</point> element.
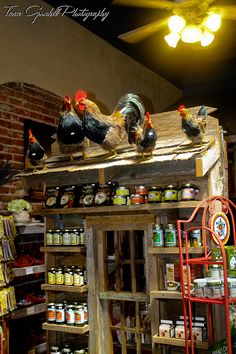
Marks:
<point>65,275</point>
<point>65,237</point>
<point>73,314</point>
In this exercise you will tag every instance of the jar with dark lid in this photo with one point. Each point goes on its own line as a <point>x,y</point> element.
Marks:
<point>70,315</point>
<point>171,193</point>
<point>49,238</point>
<point>66,238</point>
<point>66,351</point>
<point>51,312</point>
<point>154,195</point>
<point>82,236</point>
<point>60,313</point>
<point>51,276</point>
<point>55,350</point>
<point>68,276</point>
<point>187,192</point>
<point>137,199</point>
<point>59,276</point>
<point>57,238</point>
<point>142,190</point>
<point>75,237</point>
<point>158,236</point>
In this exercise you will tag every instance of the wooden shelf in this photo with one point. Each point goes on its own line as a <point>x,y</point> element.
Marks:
<point>65,288</point>
<point>30,228</point>
<point>65,328</point>
<point>166,294</point>
<point>66,249</point>
<point>28,311</point>
<point>178,342</point>
<point>19,272</point>
<point>174,250</point>
<point>123,295</point>
<point>40,348</point>
<point>148,208</point>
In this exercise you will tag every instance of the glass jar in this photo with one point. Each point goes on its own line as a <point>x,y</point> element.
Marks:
<point>66,238</point>
<point>171,193</point>
<point>119,200</point>
<point>49,238</point>
<point>82,237</point>
<point>196,238</point>
<point>51,313</point>
<point>68,277</point>
<point>70,315</point>
<point>74,237</point>
<point>60,314</point>
<point>213,288</point>
<point>187,192</point>
<point>154,195</point>
<point>158,236</point>
<point>79,315</point>
<point>137,199</point>
<point>57,238</point>
<point>141,190</point>
<point>85,313</point>
<point>51,276</point>
<point>170,236</point>
<point>122,191</point>
<point>199,287</point>
<point>59,276</point>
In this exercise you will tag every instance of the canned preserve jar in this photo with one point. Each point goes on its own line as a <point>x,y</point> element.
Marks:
<point>137,199</point>
<point>66,238</point>
<point>170,235</point>
<point>122,191</point>
<point>60,314</point>
<point>51,276</point>
<point>74,237</point>
<point>119,200</point>
<point>141,190</point>
<point>59,276</point>
<point>187,192</point>
<point>49,238</point>
<point>57,238</point>
<point>70,315</point>
<point>51,313</point>
<point>171,193</point>
<point>196,238</point>
<point>154,195</point>
<point>79,315</point>
<point>158,236</point>
<point>68,276</point>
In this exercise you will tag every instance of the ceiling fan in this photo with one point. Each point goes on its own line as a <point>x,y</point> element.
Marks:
<point>194,14</point>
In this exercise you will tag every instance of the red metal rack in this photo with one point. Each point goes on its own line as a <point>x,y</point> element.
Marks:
<point>204,214</point>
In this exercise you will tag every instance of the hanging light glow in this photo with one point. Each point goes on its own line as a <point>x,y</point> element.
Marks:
<point>172,39</point>
<point>191,34</point>
<point>212,22</point>
<point>207,38</point>
<point>176,23</point>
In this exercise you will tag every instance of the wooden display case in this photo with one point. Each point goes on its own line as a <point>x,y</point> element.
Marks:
<point>126,286</point>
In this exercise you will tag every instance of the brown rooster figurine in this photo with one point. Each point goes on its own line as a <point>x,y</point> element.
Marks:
<point>195,129</point>
<point>146,138</point>
<point>109,131</point>
<point>70,133</point>
<point>36,154</point>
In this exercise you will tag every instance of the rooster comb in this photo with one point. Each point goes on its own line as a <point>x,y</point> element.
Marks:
<point>181,107</point>
<point>79,95</point>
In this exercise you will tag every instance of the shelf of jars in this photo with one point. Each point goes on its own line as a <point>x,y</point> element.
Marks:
<point>65,288</point>
<point>177,342</point>
<point>149,208</point>
<point>63,249</point>
<point>66,328</point>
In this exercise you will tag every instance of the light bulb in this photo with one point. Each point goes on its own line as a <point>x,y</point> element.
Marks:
<point>191,34</point>
<point>207,38</point>
<point>176,23</point>
<point>172,39</point>
<point>212,22</point>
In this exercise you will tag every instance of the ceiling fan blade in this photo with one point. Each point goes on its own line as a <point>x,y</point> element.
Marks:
<point>143,32</point>
<point>155,4</point>
<point>227,11</point>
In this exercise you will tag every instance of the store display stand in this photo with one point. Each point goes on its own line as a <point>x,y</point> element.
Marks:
<point>213,207</point>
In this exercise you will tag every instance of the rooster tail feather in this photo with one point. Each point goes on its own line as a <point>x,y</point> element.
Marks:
<point>131,106</point>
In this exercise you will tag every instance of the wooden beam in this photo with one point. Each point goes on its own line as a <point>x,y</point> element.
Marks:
<point>204,163</point>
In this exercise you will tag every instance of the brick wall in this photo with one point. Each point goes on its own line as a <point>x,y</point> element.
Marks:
<point>20,101</point>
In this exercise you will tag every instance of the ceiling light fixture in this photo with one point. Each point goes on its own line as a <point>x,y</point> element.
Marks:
<point>196,30</point>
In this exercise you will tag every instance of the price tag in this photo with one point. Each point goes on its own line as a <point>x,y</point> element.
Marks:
<point>30,311</point>
<point>29,270</point>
